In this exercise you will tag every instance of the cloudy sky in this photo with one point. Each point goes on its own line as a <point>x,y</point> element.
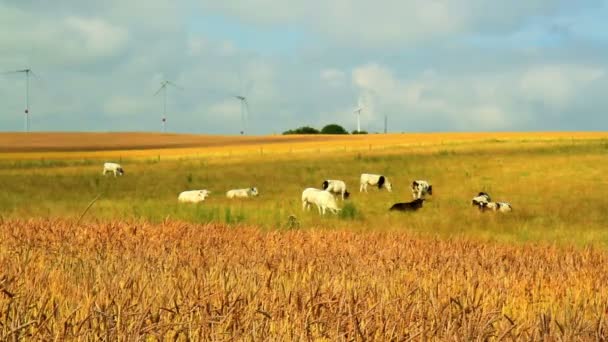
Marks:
<point>428,65</point>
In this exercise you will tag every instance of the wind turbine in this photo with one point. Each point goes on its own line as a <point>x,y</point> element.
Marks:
<point>27,73</point>
<point>244,111</point>
<point>358,111</point>
<point>163,88</point>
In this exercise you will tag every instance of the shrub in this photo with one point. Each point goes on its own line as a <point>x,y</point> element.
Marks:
<point>302,130</point>
<point>333,129</point>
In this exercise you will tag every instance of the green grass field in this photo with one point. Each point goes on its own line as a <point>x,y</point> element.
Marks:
<point>557,189</point>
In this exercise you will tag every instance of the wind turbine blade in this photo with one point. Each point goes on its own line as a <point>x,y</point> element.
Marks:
<point>11,72</point>
<point>159,89</point>
<point>175,85</point>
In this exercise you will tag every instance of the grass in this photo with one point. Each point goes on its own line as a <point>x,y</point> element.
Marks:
<point>141,266</point>
<point>556,187</point>
<point>173,281</point>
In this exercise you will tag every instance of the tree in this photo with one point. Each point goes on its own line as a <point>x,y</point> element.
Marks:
<point>302,130</point>
<point>333,129</point>
<point>355,132</point>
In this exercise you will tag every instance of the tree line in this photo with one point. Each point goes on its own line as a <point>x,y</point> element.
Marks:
<point>328,129</point>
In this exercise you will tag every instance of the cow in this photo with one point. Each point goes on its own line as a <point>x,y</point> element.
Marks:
<point>242,193</point>
<point>502,207</point>
<point>335,187</point>
<point>375,180</point>
<point>421,188</point>
<point>114,168</point>
<point>408,206</point>
<point>322,199</point>
<point>193,196</point>
<point>482,197</point>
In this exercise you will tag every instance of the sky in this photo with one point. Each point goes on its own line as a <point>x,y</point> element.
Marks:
<point>424,65</point>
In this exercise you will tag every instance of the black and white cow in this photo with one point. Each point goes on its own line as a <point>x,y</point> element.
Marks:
<point>482,197</point>
<point>502,207</point>
<point>335,187</point>
<point>375,180</point>
<point>421,188</point>
<point>408,206</point>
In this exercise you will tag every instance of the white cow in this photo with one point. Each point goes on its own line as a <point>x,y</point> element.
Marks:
<point>322,199</point>
<point>336,187</point>
<point>375,180</point>
<point>242,193</point>
<point>113,167</point>
<point>421,188</point>
<point>193,196</point>
<point>502,207</point>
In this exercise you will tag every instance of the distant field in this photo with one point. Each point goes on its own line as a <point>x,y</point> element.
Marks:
<point>240,268</point>
<point>99,145</point>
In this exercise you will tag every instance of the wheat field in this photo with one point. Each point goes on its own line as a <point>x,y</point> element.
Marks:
<point>176,281</point>
<point>88,257</point>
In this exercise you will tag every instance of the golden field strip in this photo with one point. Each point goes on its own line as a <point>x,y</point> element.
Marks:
<point>18,146</point>
<point>175,281</point>
<point>139,266</point>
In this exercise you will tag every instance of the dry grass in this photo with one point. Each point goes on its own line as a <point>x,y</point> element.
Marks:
<point>121,281</point>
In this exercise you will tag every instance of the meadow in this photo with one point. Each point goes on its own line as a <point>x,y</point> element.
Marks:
<point>136,265</point>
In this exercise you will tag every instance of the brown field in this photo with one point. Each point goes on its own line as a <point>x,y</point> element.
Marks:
<point>176,281</point>
<point>99,145</point>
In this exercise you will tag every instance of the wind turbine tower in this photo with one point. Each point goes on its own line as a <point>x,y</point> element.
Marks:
<point>358,111</point>
<point>27,73</point>
<point>244,111</point>
<point>163,88</point>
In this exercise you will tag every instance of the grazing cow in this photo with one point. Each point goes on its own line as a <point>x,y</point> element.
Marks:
<point>114,168</point>
<point>375,180</point>
<point>193,196</point>
<point>421,188</point>
<point>322,199</point>
<point>482,197</point>
<point>502,207</point>
<point>408,206</point>
<point>336,187</point>
<point>242,193</point>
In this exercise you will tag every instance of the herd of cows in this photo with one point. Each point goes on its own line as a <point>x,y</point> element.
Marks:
<point>325,199</point>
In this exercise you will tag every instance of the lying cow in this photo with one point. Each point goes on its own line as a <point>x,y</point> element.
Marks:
<point>421,188</point>
<point>482,197</point>
<point>408,206</point>
<point>322,199</point>
<point>337,187</point>
<point>502,207</point>
<point>114,168</point>
<point>375,180</point>
<point>242,193</point>
<point>193,196</point>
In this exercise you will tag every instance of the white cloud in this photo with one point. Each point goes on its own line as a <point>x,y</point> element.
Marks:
<point>393,21</point>
<point>557,85</point>
<point>333,77</point>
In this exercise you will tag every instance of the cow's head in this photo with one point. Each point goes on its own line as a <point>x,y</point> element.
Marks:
<point>121,171</point>
<point>324,185</point>
<point>430,191</point>
<point>482,197</point>
<point>203,194</point>
<point>346,194</point>
<point>254,191</point>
